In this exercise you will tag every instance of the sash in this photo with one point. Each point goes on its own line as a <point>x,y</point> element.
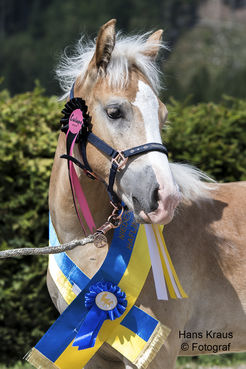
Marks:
<point>135,334</point>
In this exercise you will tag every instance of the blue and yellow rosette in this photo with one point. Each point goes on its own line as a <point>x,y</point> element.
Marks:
<point>104,300</point>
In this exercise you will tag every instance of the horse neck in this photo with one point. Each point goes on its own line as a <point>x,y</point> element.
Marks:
<point>63,214</point>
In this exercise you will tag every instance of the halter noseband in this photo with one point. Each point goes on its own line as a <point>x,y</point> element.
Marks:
<point>118,158</point>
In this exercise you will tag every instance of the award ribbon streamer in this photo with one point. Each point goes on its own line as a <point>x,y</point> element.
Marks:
<point>135,334</point>
<point>126,266</point>
<point>90,328</point>
<point>165,276</point>
<point>76,121</point>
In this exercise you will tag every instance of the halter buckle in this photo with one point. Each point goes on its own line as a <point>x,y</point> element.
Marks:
<point>120,160</point>
<point>90,175</point>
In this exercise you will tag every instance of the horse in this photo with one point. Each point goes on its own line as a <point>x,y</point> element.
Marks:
<point>204,222</point>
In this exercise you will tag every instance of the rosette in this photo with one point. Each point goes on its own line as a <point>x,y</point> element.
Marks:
<point>104,300</point>
<point>72,105</point>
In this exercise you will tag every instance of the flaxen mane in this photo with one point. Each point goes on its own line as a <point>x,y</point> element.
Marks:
<point>128,51</point>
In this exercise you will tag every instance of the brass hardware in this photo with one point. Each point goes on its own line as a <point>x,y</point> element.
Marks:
<point>120,160</point>
<point>114,221</point>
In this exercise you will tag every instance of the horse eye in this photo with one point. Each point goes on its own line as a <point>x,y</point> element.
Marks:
<point>114,113</point>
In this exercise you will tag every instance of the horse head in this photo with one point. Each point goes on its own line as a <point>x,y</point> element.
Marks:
<point>119,82</point>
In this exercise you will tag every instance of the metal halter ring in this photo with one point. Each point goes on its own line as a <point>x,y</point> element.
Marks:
<point>120,160</point>
<point>115,219</point>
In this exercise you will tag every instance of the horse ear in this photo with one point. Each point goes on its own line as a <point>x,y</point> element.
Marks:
<point>154,43</point>
<point>104,46</point>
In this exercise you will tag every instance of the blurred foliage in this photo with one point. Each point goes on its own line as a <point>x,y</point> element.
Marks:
<point>28,126</point>
<point>28,135</point>
<point>209,135</point>
<point>33,33</point>
<point>208,58</point>
<point>230,360</point>
<point>208,61</point>
<point>17,365</point>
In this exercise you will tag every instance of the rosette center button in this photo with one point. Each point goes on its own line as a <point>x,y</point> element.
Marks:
<point>106,301</point>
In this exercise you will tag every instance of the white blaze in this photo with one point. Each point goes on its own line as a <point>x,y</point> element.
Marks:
<point>147,102</point>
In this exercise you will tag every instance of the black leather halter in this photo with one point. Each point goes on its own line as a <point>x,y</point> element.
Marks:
<point>118,158</point>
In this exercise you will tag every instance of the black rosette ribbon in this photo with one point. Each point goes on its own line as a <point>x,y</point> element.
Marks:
<point>104,300</point>
<point>70,107</point>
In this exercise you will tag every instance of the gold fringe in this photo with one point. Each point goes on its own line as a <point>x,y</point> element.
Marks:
<point>154,344</point>
<point>38,360</point>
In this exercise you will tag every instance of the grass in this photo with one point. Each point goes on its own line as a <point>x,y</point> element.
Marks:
<point>18,365</point>
<point>209,361</point>
<point>229,361</point>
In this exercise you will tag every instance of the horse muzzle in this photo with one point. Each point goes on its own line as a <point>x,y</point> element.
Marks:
<point>150,201</point>
<point>166,204</point>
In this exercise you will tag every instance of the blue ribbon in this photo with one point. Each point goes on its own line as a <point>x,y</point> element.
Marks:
<point>99,302</point>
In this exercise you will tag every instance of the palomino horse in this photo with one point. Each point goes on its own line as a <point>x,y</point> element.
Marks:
<point>206,238</point>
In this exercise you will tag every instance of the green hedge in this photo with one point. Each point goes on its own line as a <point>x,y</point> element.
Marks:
<point>28,133</point>
<point>208,135</point>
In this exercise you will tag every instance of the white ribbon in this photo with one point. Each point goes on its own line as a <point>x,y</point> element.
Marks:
<point>158,256</point>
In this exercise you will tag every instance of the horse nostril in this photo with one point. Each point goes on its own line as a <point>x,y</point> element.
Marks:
<point>154,199</point>
<point>148,203</point>
<point>144,190</point>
